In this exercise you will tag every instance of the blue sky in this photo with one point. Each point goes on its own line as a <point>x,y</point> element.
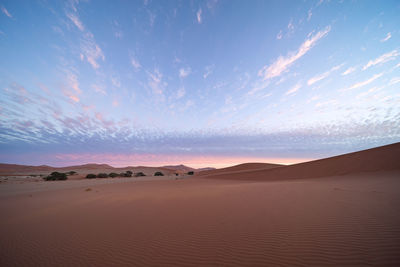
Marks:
<point>205,83</point>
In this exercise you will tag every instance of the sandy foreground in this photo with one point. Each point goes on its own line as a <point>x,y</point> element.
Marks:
<point>348,220</point>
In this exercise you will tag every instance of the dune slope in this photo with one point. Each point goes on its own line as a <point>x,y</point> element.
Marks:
<point>240,168</point>
<point>376,159</point>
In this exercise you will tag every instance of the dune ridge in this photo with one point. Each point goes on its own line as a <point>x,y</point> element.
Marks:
<point>240,168</point>
<point>384,158</point>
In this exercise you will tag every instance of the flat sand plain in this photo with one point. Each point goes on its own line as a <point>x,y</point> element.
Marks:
<point>350,220</point>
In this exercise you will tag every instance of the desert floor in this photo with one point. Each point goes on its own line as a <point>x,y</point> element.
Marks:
<point>350,220</point>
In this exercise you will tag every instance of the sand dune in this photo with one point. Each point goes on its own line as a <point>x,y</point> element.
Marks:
<point>240,168</point>
<point>350,218</point>
<point>180,168</point>
<point>15,169</point>
<point>376,159</point>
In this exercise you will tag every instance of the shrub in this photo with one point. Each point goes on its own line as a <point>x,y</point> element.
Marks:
<point>91,176</point>
<point>190,173</point>
<point>129,173</point>
<point>102,175</point>
<point>56,176</point>
<point>71,173</point>
<point>138,174</point>
<point>113,174</point>
<point>158,174</point>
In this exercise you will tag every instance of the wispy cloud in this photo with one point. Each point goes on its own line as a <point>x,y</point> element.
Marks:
<point>73,82</point>
<point>181,93</point>
<point>293,90</point>
<point>394,80</point>
<point>184,72</point>
<point>323,75</point>
<point>90,49</point>
<point>348,71</point>
<point>118,34</point>
<point>5,11</point>
<point>155,82</point>
<point>208,71</point>
<point>71,96</point>
<point>198,15</point>
<point>283,63</point>
<point>388,36</point>
<point>116,81</point>
<point>99,89</point>
<point>290,26</point>
<point>75,19</point>
<point>152,18</point>
<point>364,83</point>
<point>382,59</point>
<point>279,35</point>
<point>135,63</point>
<point>309,14</point>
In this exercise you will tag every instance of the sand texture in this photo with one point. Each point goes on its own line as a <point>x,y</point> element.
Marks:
<point>338,220</point>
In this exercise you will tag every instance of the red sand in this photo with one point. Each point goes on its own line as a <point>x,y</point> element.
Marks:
<point>347,220</point>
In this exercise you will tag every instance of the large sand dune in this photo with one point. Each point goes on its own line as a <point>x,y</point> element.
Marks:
<point>348,220</point>
<point>376,159</point>
<point>240,168</point>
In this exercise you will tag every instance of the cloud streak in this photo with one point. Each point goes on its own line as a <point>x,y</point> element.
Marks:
<point>364,83</point>
<point>77,22</point>
<point>5,12</point>
<point>283,63</point>
<point>388,36</point>
<point>198,16</point>
<point>348,71</point>
<point>322,76</point>
<point>293,90</point>
<point>382,59</point>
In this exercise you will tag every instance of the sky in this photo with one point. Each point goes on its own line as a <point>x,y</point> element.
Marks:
<point>201,83</point>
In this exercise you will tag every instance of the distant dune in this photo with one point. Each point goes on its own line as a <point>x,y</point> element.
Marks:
<point>383,158</point>
<point>15,169</point>
<point>240,168</point>
<point>180,168</point>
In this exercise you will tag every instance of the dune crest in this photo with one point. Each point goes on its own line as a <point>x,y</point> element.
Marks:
<point>384,158</point>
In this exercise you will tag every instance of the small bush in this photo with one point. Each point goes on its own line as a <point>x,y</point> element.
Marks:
<point>139,174</point>
<point>56,176</point>
<point>158,174</point>
<point>113,175</point>
<point>102,175</point>
<point>190,173</point>
<point>129,173</point>
<point>71,173</point>
<point>91,176</point>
